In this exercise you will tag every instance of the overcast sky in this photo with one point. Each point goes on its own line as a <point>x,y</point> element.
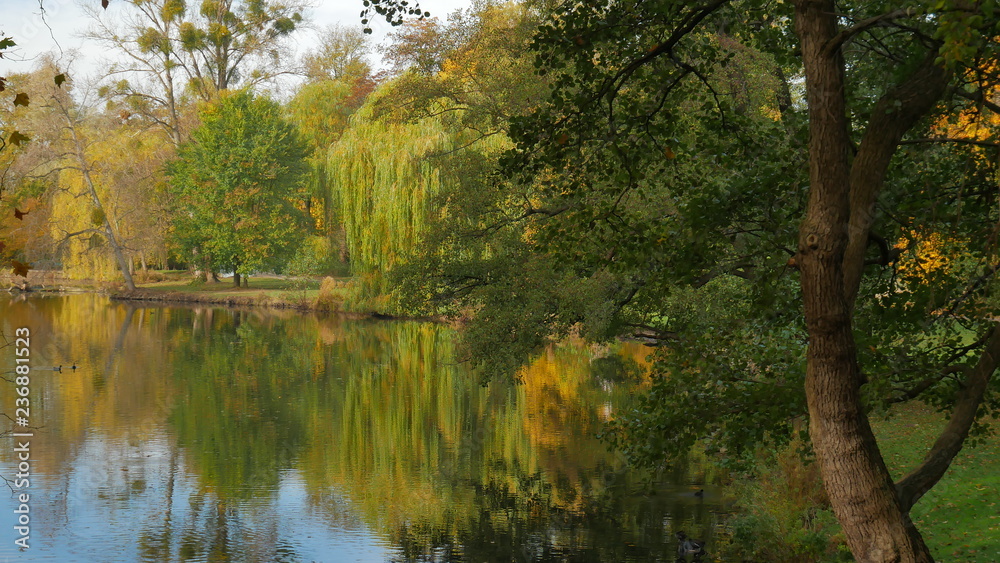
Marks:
<point>23,21</point>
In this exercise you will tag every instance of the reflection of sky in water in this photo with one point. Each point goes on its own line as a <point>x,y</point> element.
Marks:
<point>370,444</point>
<point>115,504</point>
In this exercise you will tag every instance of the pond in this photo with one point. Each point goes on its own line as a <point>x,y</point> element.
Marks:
<point>208,434</point>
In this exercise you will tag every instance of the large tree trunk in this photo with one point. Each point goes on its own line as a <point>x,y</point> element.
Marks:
<point>860,488</point>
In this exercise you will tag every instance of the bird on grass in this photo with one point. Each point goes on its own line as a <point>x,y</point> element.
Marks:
<point>686,545</point>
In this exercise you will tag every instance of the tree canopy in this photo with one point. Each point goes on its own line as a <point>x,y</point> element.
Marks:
<point>235,183</point>
<point>173,51</point>
<point>756,187</point>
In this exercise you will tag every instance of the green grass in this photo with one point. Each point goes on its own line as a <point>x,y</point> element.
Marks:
<point>960,516</point>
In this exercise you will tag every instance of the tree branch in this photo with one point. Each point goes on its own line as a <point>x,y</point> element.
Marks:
<point>923,385</point>
<point>844,36</point>
<point>684,29</point>
<point>896,112</point>
<point>979,98</point>
<point>912,487</point>
<point>950,140</point>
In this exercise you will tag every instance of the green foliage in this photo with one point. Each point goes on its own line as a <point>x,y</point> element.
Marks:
<point>314,257</point>
<point>235,183</point>
<point>382,176</point>
<point>731,377</point>
<point>659,191</point>
<point>783,512</point>
<point>611,229</point>
<point>321,110</point>
<point>389,174</point>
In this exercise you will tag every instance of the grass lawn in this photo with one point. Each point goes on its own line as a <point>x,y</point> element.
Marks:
<point>960,516</point>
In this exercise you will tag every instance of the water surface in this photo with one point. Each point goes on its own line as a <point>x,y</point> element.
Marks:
<point>201,434</point>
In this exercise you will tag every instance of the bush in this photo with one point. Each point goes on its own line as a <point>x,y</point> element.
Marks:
<point>331,295</point>
<point>148,276</point>
<point>314,257</point>
<point>784,513</point>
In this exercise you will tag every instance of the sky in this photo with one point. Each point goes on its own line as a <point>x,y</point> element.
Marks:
<point>23,21</point>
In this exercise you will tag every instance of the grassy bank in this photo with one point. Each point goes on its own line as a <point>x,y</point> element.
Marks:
<point>783,515</point>
<point>960,517</point>
<point>273,291</point>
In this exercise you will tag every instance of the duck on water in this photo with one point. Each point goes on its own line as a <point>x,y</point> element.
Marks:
<point>688,546</point>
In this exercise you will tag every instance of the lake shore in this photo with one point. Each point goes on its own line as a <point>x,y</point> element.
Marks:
<point>304,294</point>
<point>250,299</point>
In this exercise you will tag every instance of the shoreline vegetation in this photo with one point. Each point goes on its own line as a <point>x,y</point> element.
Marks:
<point>306,294</point>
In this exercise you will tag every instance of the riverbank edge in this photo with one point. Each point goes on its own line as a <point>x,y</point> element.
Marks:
<point>266,301</point>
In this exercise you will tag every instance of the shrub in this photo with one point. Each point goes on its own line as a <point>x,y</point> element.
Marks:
<point>784,513</point>
<point>314,257</point>
<point>331,295</point>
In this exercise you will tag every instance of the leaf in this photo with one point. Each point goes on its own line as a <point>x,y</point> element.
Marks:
<point>59,79</point>
<point>16,138</point>
<point>19,214</point>
<point>3,84</point>
<point>2,246</point>
<point>104,4</point>
<point>20,268</point>
<point>21,99</point>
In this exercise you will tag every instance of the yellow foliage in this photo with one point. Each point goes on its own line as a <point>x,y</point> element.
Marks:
<point>83,256</point>
<point>928,253</point>
<point>972,123</point>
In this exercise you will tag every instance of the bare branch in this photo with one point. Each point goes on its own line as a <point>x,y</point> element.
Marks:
<point>844,36</point>
<point>950,140</point>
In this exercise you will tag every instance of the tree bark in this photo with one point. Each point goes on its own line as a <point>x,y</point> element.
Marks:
<point>859,486</point>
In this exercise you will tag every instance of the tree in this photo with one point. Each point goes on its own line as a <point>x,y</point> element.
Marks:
<point>382,176</point>
<point>79,155</point>
<point>338,83</point>
<point>171,49</point>
<point>651,189</point>
<point>340,56</point>
<point>235,182</point>
<point>427,134</point>
<point>10,140</point>
<point>421,45</point>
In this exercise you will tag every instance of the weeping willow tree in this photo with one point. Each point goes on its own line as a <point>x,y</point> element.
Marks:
<point>387,175</point>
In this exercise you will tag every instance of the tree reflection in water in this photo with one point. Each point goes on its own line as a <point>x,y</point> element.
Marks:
<point>227,435</point>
